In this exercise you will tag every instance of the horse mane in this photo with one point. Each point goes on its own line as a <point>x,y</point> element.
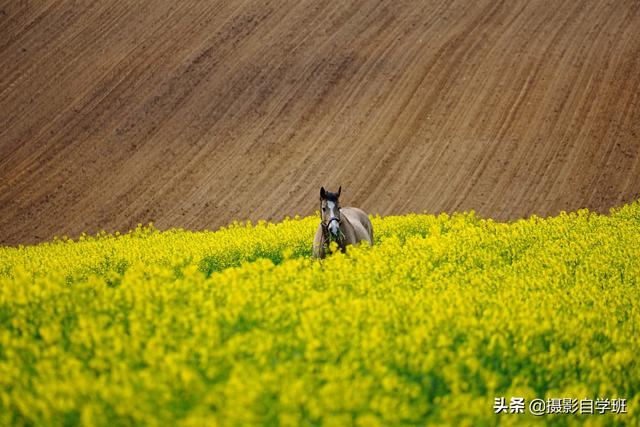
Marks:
<point>331,197</point>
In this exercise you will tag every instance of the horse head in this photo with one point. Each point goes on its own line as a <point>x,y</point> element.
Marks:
<point>330,211</point>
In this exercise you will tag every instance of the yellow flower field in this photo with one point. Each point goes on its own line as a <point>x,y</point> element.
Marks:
<point>241,327</point>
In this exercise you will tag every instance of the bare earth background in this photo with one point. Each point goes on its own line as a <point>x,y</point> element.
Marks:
<point>196,113</point>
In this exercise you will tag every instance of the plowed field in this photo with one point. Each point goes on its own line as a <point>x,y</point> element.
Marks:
<point>196,113</point>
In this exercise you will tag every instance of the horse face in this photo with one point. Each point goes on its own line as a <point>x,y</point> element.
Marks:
<point>330,210</point>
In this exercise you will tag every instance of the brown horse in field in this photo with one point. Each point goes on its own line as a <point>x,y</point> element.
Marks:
<point>345,226</point>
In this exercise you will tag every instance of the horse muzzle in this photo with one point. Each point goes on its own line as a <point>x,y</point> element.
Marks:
<point>334,228</point>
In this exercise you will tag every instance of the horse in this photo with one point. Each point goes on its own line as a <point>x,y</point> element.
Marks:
<point>345,226</point>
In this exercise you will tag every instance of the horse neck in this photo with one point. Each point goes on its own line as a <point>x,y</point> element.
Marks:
<point>345,224</point>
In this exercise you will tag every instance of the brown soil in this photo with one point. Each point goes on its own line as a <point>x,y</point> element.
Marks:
<point>192,113</point>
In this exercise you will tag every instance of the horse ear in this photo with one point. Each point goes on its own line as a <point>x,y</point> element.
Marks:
<point>323,194</point>
<point>339,190</point>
